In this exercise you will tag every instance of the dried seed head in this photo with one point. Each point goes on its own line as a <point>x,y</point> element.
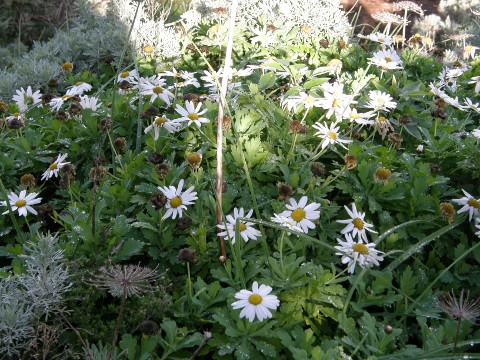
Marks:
<point>27,181</point>
<point>462,308</point>
<point>382,175</point>
<point>187,255</point>
<point>408,6</point>
<point>191,97</point>
<point>350,161</point>
<point>52,83</point>
<point>96,173</point>
<point>324,43</point>
<point>447,211</point>
<point>105,124</point>
<point>125,280</point>
<point>47,97</point>
<point>284,191</point>
<point>148,327</point>
<point>75,109</point>
<point>226,123</point>
<point>435,168</point>
<point>125,85</point>
<point>388,18</point>
<point>404,119</point>
<point>396,139</point>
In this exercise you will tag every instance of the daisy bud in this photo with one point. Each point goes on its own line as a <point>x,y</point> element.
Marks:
<point>324,43</point>
<point>350,161</point>
<point>156,158</point>
<point>396,139</point>
<point>404,120</point>
<point>105,124</point>
<point>284,191</point>
<point>447,211</point>
<point>388,329</point>
<point>318,170</point>
<point>148,327</point>
<point>52,83</point>
<point>382,175</point>
<point>158,201</point>
<point>194,159</point>
<point>295,126</point>
<point>162,171</point>
<point>46,98</point>
<point>419,149</point>
<point>62,116</point>
<point>75,109</point>
<point>120,144</point>
<point>222,259</point>
<point>187,255</point>
<point>27,181</point>
<point>184,223</point>
<point>151,112</point>
<point>191,97</point>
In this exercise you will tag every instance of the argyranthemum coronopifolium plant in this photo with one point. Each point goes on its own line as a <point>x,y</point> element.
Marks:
<point>246,229</point>
<point>22,202</point>
<point>353,253</point>
<point>177,200</point>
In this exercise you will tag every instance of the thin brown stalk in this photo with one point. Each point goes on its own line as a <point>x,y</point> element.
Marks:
<point>221,112</point>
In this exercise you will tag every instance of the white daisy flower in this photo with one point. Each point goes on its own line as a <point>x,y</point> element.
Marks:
<point>22,202</point>
<point>130,76</point>
<point>161,121</point>
<point>380,101</point>
<point>286,221</point>
<point>364,254</point>
<point>476,133</point>
<point>383,39</point>
<point>329,135</point>
<point>356,225</point>
<point>469,104</point>
<point>475,80</point>
<point>256,302</point>
<point>155,87</point>
<point>301,213</point>
<point>27,98</point>
<point>360,118</point>
<point>55,167</point>
<point>294,101</point>
<point>470,204</point>
<point>386,59</point>
<point>89,102</point>
<point>56,103</point>
<point>247,231</point>
<point>191,113</point>
<point>454,102</point>
<point>211,78</point>
<point>264,37</point>
<point>177,201</point>
<point>79,88</point>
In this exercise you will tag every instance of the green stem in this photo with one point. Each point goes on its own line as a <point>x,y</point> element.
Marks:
<point>189,281</point>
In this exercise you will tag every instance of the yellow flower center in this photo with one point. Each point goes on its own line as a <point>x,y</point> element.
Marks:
<point>309,99</point>
<point>193,116</point>
<point>298,215</point>
<point>157,90</point>
<point>20,203</point>
<point>160,120</point>
<point>148,49</point>
<point>16,114</point>
<point>358,223</point>
<point>381,100</point>
<point>383,173</point>
<point>332,135</point>
<point>79,83</point>
<point>354,116</point>
<point>336,103</point>
<point>67,66</point>
<point>473,203</point>
<point>176,202</point>
<point>194,158</point>
<point>65,97</point>
<point>255,299</point>
<point>124,74</point>
<point>387,59</point>
<point>360,248</point>
<point>53,166</point>
<point>241,226</point>
<point>381,40</point>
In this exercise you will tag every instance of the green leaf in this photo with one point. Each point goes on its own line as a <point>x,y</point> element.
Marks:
<point>129,343</point>
<point>267,80</point>
<point>130,247</point>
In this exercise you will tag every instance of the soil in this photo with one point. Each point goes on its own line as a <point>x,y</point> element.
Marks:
<point>365,22</point>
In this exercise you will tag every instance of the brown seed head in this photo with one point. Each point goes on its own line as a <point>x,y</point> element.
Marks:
<point>350,161</point>
<point>447,211</point>
<point>382,175</point>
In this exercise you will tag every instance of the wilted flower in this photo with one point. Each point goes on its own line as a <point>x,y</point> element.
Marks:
<point>448,211</point>
<point>27,181</point>
<point>194,159</point>
<point>284,191</point>
<point>187,255</point>
<point>350,161</point>
<point>67,67</point>
<point>382,175</point>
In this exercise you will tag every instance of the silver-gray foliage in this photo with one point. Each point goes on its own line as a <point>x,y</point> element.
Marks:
<point>322,18</point>
<point>34,295</point>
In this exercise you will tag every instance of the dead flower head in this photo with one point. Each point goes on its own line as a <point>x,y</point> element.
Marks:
<point>461,308</point>
<point>125,280</point>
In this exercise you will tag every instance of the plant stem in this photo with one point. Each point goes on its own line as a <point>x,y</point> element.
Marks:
<point>119,321</point>
<point>189,280</point>
<point>456,335</point>
<point>221,111</point>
